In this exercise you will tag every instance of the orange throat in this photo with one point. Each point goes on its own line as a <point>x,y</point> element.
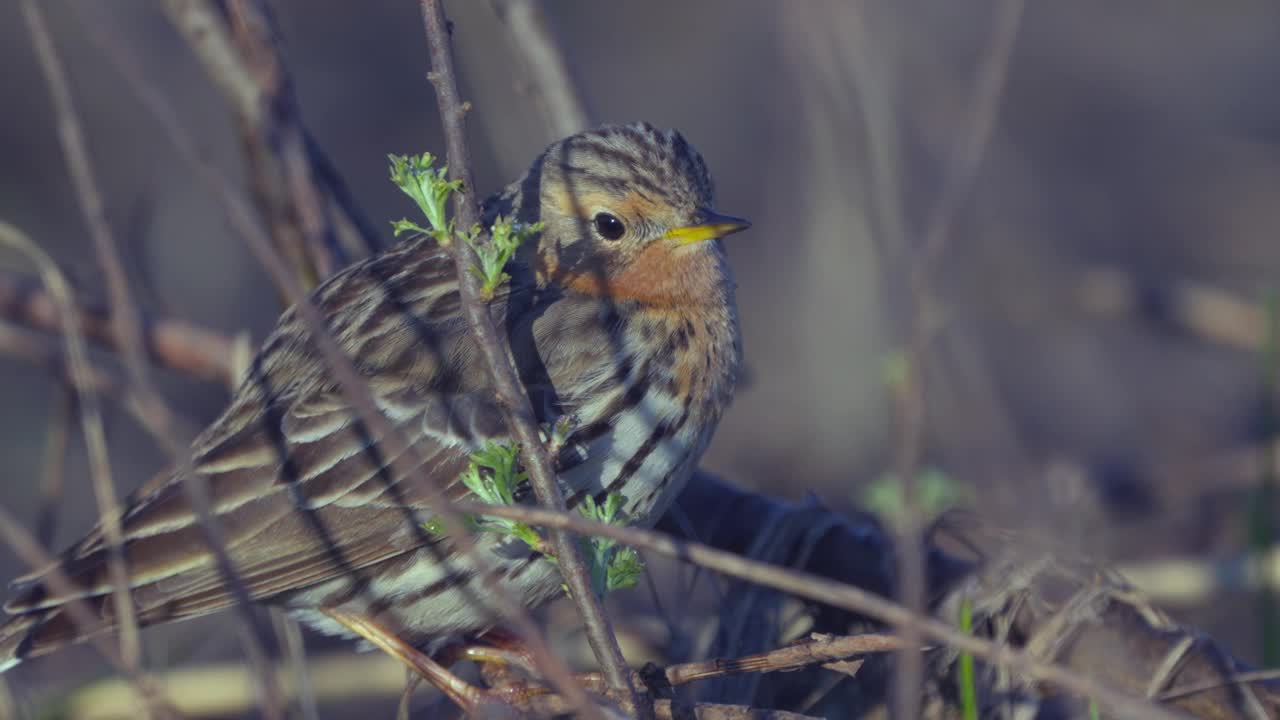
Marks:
<point>663,275</point>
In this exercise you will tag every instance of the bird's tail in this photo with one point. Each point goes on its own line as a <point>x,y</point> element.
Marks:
<point>36,633</point>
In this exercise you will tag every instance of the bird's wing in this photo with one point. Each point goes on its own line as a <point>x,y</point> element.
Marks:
<point>297,503</point>
<point>300,488</point>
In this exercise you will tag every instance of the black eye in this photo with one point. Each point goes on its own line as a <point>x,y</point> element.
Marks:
<point>609,227</point>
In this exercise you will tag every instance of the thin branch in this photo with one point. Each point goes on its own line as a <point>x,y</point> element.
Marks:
<point>53,478</point>
<point>90,414</point>
<point>530,32</point>
<point>277,148</point>
<point>86,619</point>
<point>832,593</point>
<point>219,690</point>
<point>125,318</point>
<point>250,71</point>
<point>187,348</point>
<point>128,334</point>
<point>822,650</point>
<point>910,393</point>
<point>520,419</point>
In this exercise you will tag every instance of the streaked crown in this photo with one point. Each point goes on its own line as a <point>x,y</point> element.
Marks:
<point>607,196</point>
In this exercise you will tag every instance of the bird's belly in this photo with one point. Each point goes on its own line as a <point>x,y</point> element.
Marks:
<point>424,598</point>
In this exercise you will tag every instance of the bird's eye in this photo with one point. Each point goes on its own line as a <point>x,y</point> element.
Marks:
<point>609,227</point>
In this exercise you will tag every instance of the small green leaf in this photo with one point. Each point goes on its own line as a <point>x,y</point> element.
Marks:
<point>611,566</point>
<point>429,188</point>
<point>625,570</point>
<point>894,369</point>
<point>405,225</point>
<point>968,685</point>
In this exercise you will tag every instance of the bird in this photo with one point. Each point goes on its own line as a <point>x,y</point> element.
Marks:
<point>620,314</point>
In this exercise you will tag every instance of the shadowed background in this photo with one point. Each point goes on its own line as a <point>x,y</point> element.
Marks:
<point>1135,145</point>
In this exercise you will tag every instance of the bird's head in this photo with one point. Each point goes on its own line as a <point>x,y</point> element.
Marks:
<point>627,212</point>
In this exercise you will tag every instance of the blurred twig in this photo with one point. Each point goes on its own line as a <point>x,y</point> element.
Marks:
<point>518,413</point>
<point>226,689</point>
<point>277,150</point>
<point>1202,311</point>
<point>307,204</point>
<point>124,315</point>
<point>918,265</point>
<point>90,414</point>
<point>1191,580</point>
<point>530,32</point>
<point>53,478</point>
<point>156,701</point>
<point>196,351</point>
<point>159,419</point>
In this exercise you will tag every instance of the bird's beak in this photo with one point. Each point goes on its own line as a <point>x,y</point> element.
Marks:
<point>713,225</point>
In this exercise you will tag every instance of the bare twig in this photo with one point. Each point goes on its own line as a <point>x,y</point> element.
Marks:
<point>909,394</point>
<point>53,478</point>
<point>90,422</point>
<point>187,348</point>
<point>520,420</point>
<point>224,689</point>
<point>47,354</point>
<point>1211,314</point>
<point>125,318</point>
<point>530,32</point>
<point>86,619</point>
<point>302,195</point>
<point>277,148</point>
<point>128,333</point>
<point>821,650</point>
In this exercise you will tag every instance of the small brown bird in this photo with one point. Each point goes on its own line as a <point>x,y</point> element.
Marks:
<point>620,314</point>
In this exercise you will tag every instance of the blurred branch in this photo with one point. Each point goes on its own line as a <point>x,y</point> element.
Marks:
<point>517,411</point>
<point>154,411</point>
<point>90,414</point>
<point>1202,311</point>
<point>189,349</point>
<point>1192,580</point>
<point>157,702</point>
<point>853,552</point>
<point>53,478</point>
<point>276,149</point>
<point>313,216</point>
<point>124,313</point>
<point>920,266</point>
<point>530,32</point>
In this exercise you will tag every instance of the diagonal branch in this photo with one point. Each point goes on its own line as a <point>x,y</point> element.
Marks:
<point>312,214</point>
<point>496,354</point>
<point>529,30</point>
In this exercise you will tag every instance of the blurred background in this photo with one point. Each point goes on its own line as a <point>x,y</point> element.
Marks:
<point>1098,373</point>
